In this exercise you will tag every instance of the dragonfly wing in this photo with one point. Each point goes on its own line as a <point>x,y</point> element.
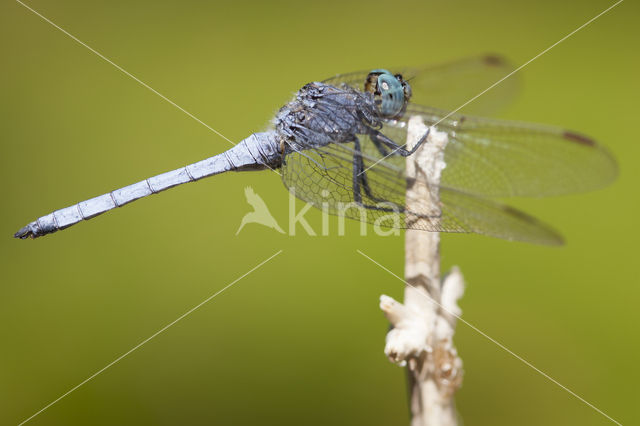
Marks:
<point>450,85</point>
<point>484,216</point>
<point>497,158</point>
<point>323,177</point>
<point>355,79</point>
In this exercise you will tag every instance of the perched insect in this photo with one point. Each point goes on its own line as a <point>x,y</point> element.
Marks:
<point>340,142</point>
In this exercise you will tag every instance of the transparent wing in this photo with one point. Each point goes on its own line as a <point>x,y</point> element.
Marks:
<point>497,158</point>
<point>323,177</point>
<point>448,86</point>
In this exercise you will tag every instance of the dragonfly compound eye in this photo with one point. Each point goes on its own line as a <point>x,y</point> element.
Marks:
<point>392,94</point>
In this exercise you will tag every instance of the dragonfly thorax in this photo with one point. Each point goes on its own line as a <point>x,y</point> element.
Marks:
<point>321,114</point>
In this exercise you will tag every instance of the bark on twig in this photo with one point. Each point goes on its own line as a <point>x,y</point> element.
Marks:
<point>423,327</point>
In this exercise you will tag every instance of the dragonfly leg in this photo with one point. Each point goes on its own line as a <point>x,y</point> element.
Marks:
<point>380,147</point>
<point>360,182</point>
<point>378,138</point>
<point>360,176</point>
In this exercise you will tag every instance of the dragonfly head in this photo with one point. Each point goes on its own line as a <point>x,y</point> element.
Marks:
<point>391,92</point>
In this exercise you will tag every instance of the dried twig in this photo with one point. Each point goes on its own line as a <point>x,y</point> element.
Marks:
<point>423,327</point>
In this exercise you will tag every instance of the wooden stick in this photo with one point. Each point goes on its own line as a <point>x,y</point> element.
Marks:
<point>423,327</point>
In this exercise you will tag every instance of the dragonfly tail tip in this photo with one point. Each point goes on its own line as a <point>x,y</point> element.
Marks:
<point>24,233</point>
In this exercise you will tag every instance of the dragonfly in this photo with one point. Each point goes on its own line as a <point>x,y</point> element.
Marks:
<point>341,141</point>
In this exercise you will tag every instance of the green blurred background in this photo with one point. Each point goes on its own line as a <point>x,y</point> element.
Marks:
<point>300,340</point>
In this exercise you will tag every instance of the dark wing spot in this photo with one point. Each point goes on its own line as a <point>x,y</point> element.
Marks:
<point>493,60</point>
<point>578,138</point>
<point>552,237</point>
<point>517,213</point>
